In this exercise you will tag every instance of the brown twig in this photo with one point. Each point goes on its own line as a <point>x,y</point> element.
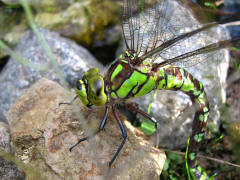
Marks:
<point>206,157</point>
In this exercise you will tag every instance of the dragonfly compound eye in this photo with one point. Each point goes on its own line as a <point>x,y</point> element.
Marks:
<point>96,94</point>
<point>81,89</point>
<point>79,85</point>
<point>98,86</point>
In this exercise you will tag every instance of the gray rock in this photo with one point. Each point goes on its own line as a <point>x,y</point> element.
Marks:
<point>173,109</point>
<point>9,170</point>
<point>43,5</point>
<point>231,2</point>
<point>15,77</point>
<point>4,137</point>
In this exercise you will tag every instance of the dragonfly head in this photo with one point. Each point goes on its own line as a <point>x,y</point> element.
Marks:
<point>90,89</point>
<point>131,54</point>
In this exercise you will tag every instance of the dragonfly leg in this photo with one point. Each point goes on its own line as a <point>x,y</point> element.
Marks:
<point>134,107</point>
<point>124,134</point>
<point>99,129</point>
<point>68,103</point>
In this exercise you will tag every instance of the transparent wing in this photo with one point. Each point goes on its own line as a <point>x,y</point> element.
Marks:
<point>167,30</point>
<point>139,23</point>
<point>194,57</point>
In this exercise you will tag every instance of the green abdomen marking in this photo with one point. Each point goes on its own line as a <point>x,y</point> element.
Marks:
<point>131,84</point>
<point>127,83</point>
<point>174,78</point>
<point>148,86</point>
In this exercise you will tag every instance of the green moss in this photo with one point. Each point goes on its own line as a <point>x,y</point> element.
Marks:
<point>49,9</point>
<point>101,14</point>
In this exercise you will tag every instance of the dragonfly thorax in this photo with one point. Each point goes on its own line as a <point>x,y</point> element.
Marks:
<point>90,89</point>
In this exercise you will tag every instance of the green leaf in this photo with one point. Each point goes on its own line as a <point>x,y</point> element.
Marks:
<point>173,178</point>
<point>166,165</point>
<point>147,127</point>
<point>210,5</point>
<point>173,156</point>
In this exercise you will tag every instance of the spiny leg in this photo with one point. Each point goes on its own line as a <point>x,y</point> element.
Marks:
<point>68,103</point>
<point>99,129</point>
<point>124,134</point>
<point>134,107</point>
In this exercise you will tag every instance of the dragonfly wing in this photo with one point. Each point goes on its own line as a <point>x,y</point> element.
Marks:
<point>140,30</point>
<point>130,24</point>
<point>158,32</point>
<point>199,55</point>
<point>149,23</point>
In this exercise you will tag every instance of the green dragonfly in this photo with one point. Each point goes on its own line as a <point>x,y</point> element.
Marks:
<point>136,72</point>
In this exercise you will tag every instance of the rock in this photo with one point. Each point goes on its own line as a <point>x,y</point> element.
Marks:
<point>15,77</point>
<point>89,22</point>
<point>232,6</point>
<point>13,24</point>
<point>42,133</point>
<point>14,35</point>
<point>173,109</point>
<point>4,137</point>
<point>8,169</point>
<point>44,5</point>
<point>231,2</point>
<point>3,54</point>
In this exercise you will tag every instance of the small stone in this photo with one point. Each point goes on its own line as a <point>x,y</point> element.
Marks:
<point>8,169</point>
<point>4,137</point>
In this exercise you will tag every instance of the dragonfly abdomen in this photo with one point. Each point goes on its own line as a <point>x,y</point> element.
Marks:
<point>175,78</point>
<point>178,79</point>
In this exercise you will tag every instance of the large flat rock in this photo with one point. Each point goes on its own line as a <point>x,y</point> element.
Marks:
<point>42,133</point>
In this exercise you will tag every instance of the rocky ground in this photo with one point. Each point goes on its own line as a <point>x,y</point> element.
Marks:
<point>35,133</point>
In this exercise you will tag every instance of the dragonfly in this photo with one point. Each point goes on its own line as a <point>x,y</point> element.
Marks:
<point>147,65</point>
